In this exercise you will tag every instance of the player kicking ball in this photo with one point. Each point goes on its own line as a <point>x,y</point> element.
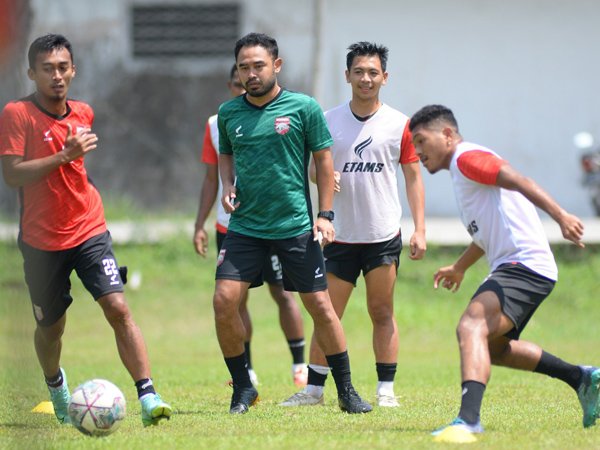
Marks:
<point>497,206</point>
<point>44,139</point>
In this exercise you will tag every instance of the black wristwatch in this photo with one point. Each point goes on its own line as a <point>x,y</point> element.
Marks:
<point>329,215</point>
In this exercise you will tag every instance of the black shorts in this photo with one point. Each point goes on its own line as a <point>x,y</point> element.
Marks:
<point>520,290</point>
<point>47,274</point>
<point>346,261</point>
<point>271,271</point>
<point>242,258</point>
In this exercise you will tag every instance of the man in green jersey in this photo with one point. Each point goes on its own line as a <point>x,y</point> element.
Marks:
<point>265,140</point>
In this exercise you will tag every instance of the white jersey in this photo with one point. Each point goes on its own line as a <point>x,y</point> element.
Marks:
<point>502,222</point>
<point>367,155</point>
<point>222,216</point>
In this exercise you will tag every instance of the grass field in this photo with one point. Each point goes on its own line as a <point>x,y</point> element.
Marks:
<point>173,308</point>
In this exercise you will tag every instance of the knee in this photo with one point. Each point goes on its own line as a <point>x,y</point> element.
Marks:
<point>467,327</point>
<point>224,305</point>
<point>115,309</point>
<point>319,307</point>
<point>381,314</point>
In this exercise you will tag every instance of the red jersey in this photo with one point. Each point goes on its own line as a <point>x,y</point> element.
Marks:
<point>62,209</point>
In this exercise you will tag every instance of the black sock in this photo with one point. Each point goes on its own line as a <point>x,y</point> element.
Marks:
<point>144,386</point>
<point>340,369</point>
<point>386,371</point>
<point>238,369</point>
<point>297,350</point>
<point>315,378</point>
<point>248,357</point>
<point>557,368</point>
<point>56,381</point>
<point>470,405</point>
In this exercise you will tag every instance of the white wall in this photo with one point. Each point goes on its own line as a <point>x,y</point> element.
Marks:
<point>521,77</point>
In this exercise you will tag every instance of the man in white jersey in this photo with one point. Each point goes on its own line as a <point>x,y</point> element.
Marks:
<point>497,206</point>
<point>290,317</point>
<point>370,140</point>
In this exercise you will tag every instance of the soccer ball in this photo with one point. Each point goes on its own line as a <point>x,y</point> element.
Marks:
<point>97,407</point>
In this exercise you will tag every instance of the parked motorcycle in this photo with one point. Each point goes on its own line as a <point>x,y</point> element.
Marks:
<point>590,164</point>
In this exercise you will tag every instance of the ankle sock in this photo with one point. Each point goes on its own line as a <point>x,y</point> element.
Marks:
<point>56,381</point>
<point>238,368</point>
<point>557,368</point>
<point>297,350</point>
<point>470,406</point>
<point>144,387</point>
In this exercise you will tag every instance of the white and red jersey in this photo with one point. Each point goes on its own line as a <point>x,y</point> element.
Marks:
<point>210,155</point>
<point>502,222</point>
<point>367,155</point>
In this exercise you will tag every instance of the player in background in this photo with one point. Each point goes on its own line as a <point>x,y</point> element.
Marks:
<point>497,206</point>
<point>290,317</point>
<point>370,140</point>
<point>266,137</point>
<point>43,141</point>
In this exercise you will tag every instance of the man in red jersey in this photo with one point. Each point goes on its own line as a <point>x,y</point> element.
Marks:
<point>43,141</point>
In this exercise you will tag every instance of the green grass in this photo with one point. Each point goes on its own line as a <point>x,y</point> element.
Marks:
<point>173,309</point>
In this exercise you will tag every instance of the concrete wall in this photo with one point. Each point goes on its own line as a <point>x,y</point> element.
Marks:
<point>520,76</point>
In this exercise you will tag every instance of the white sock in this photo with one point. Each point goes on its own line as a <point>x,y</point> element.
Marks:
<point>322,370</point>
<point>385,388</point>
<point>296,367</point>
<point>313,391</point>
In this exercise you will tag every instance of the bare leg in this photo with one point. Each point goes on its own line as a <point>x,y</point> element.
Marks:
<point>229,325</point>
<point>130,341</point>
<point>48,346</point>
<point>339,292</point>
<point>328,330</point>
<point>290,317</point>
<point>380,292</point>
<point>482,321</point>
<point>245,316</point>
<point>521,355</point>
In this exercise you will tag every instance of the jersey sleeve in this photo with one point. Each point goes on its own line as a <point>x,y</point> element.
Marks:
<point>224,144</point>
<point>13,131</point>
<point>480,166</point>
<point>91,115</point>
<point>317,134</point>
<point>209,153</point>
<point>408,154</point>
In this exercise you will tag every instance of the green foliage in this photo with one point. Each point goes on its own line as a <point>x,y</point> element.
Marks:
<point>173,308</point>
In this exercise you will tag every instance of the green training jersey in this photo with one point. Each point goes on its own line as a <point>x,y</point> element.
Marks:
<point>271,147</point>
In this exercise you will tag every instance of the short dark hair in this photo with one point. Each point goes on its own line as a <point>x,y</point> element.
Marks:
<point>430,113</point>
<point>364,48</point>
<point>233,71</point>
<point>254,39</point>
<point>48,43</point>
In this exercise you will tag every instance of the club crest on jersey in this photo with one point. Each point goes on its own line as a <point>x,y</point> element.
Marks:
<point>282,125</point>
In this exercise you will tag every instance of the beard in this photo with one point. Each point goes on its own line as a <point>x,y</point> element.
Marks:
<point>261,90</point>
